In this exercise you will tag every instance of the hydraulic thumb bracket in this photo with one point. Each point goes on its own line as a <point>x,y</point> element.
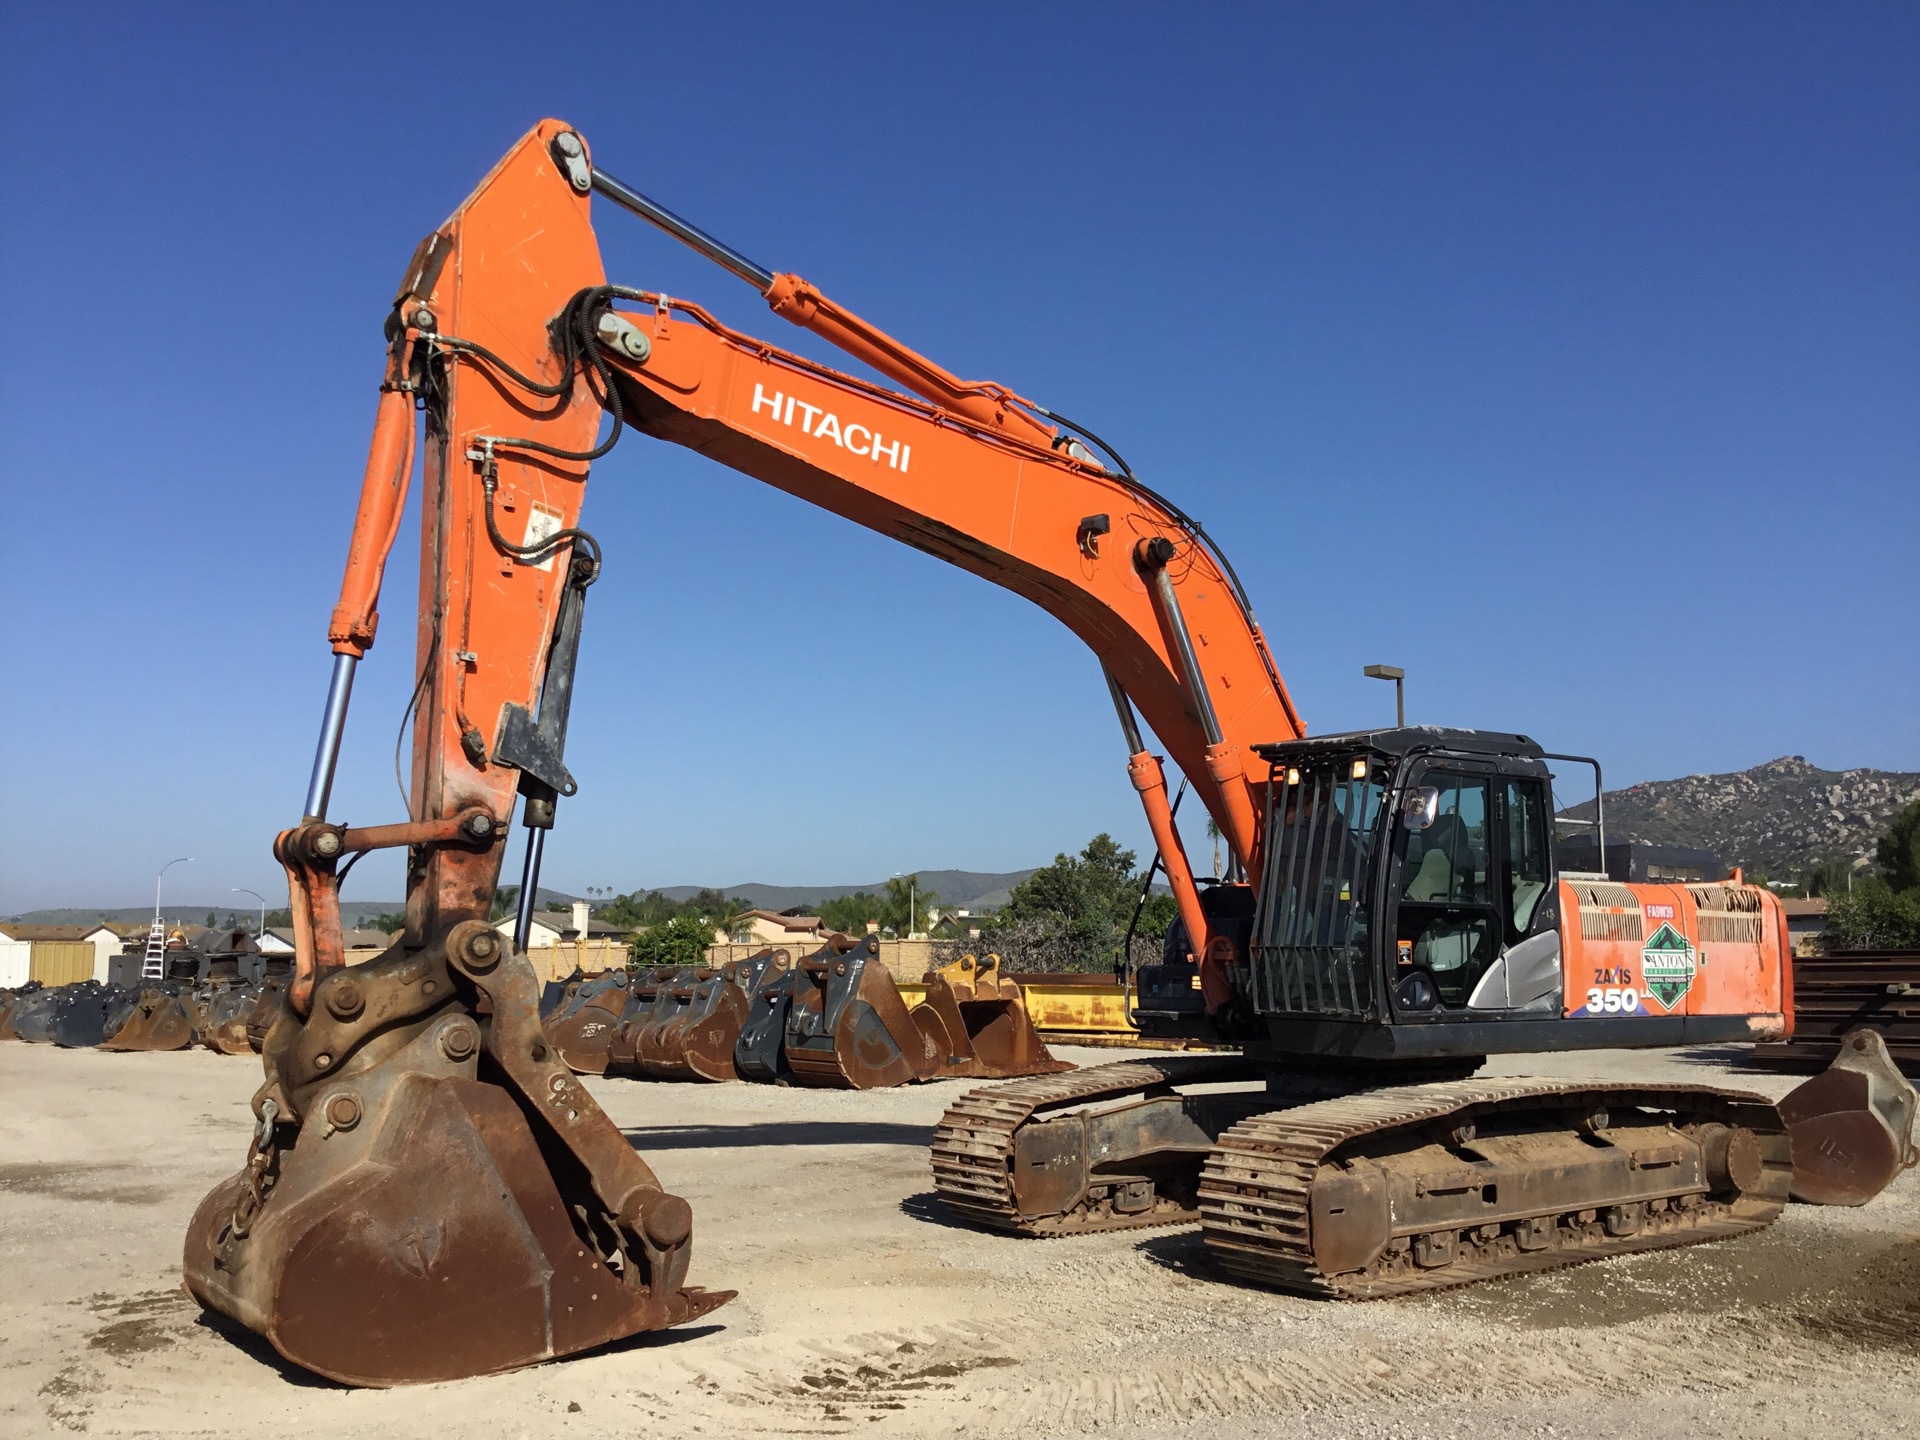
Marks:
<point>536,748</point>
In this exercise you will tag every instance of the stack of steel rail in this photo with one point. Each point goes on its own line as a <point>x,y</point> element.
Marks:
<point>1847,989</point>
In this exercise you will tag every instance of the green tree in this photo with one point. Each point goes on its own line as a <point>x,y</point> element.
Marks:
<point>729,915</point>
<point>279,919</point>
<point>1898,853</point>
<point>1873,916</point>
<point>681,941</point>
<point>1076,910</point>
<point>903,909</point>
<point>505,901</point>
<point>849,914</point>
<point>391,921</point>
<point>1826,877</point>
<point>1156,915</point>
<point>1882,912</point>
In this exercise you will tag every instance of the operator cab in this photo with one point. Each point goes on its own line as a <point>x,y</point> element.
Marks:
<point>1409,897</point>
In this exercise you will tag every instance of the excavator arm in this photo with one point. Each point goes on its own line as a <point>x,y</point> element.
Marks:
<point>507,304</point>
<point>507,354</point>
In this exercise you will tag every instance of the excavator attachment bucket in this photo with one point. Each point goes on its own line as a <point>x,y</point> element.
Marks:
<point>978,1025</point>
<point>226,1011</point>
<point>401,1219</point>
<point>80,1016</point>
<point>32,1015</point>
<point>1851,1125</point>
<point>266,1008</point>
<point>645,993</point>
<point>849,1029</point>
<point>761,1051</point>
<point>582,1028</point>
<point>156,1017</point>
<point>654,1033</point>
<point>699,1040</point>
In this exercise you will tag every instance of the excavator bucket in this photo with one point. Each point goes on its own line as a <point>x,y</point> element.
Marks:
<point>978,1025</point>
<point>556,993</point>
<point>402,1219</point>
<point>646,994</point>
<point>1851,1126</point>
<point>80,1017</point>
<point>710,1032</point>
<point>699,1041</point>
<point>582,1029</point>
<point>849,1029</point>
<point>653,1034</point>
<point>761,1051</point>
<point>156,1017</point>
<point>32,1015</point>
<point>267,1006</point>
<point>226,1011</point>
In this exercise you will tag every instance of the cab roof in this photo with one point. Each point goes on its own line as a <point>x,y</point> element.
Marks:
<point>1401,742</point>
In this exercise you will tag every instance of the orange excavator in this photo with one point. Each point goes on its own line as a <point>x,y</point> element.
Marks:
<point>430,1191</point>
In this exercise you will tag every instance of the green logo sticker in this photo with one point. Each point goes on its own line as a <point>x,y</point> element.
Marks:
<point>1667,965</point>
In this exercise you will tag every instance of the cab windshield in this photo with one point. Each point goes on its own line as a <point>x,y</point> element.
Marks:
<point>1311,944</point>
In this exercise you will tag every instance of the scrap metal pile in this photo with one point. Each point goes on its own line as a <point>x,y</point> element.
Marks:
<point>831,1019</point>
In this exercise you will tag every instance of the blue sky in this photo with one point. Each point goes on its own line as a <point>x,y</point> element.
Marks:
<point>1565,355</point>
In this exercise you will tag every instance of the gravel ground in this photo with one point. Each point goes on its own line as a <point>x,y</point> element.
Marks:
<point>862,1312</point>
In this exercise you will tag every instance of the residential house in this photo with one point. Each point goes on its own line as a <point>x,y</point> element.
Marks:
<point>359,944</point>
<point>558,941</point>
<point>771,927</point>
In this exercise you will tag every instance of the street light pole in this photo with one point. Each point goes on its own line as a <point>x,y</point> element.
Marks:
<point>183,860</point>
<point>1399,679</point>
<point>242,890</point>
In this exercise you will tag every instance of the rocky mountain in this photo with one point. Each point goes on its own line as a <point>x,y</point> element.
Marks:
<point>1777,818</point>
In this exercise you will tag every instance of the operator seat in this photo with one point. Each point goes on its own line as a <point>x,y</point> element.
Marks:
<point>1452,951</point>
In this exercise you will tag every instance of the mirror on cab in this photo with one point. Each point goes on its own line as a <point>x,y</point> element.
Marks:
<point>1421,805</point>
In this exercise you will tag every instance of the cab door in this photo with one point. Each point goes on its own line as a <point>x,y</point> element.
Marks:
<point>1448,927</point>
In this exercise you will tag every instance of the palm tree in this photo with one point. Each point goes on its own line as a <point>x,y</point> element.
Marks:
<point>728,915</point>
<point>1213,834</point>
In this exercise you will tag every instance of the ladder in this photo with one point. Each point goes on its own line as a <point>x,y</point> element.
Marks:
<point>154,965</point>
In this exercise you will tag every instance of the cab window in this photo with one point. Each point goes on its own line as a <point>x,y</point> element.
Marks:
<point>1445,862</point>
<point>1528,872</point>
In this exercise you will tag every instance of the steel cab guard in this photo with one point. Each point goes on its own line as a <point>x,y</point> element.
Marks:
<point>1410,907</point>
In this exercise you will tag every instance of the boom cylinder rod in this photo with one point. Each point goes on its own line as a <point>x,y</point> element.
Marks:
<point>1129,726</point>
<point>333,724</point>
<point>529,883</point>
<point>1183,643</point>
<point>722,254</point>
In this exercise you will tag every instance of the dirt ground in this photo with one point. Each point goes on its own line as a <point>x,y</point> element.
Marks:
<point>863,1312</point>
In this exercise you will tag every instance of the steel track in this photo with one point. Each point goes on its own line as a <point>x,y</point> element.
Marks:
<point>973,1145</point>
<point>1256,1187</point>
